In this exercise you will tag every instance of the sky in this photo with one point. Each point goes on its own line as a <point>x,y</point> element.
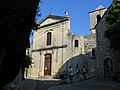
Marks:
<point>78,12</point>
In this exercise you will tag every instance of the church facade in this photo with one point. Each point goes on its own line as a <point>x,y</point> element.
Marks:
<point>55,48</point>
<point>54,45</point>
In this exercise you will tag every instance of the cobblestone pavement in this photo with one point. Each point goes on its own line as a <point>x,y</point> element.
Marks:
<point>96,84</point>
<point>36,84</point>
<point>90,84</point>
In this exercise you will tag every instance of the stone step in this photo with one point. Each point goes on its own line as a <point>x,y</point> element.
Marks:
<point>45,77</point>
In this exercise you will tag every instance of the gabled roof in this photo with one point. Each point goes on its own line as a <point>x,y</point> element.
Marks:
<point>104,14</point>
<point>54,20</point>
<point>100,7</point>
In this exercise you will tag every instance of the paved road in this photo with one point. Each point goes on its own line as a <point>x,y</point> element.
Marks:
<point>96,84</point>
<point>36,84</point>
<point>90,84</point>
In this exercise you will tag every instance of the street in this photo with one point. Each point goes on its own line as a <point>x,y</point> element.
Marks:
<point>90,84</point>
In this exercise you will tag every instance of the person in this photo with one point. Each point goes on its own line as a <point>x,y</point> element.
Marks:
<point>70,71</point>
<point>77,71</point>
<point>84,70</point>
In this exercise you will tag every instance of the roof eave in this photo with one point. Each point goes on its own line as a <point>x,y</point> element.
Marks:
<point>66,19</point>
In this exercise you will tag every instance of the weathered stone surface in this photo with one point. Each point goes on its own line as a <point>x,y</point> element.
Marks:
<point>62,48</point>
<point>108,62</point>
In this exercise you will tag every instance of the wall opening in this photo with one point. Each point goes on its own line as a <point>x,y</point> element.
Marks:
<point>47,64</point>
<point>98,18</point>
<point>108,68</point>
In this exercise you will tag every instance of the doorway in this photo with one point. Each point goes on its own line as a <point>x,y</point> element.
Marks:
<point>47,64</point>
<point>108,68</point>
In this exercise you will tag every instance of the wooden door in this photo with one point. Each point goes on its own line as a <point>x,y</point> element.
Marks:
<point>108,68</point>
<point>47,64</point>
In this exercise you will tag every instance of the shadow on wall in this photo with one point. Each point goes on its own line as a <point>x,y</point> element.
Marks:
<point>88,59</point>
<point>78,60</point>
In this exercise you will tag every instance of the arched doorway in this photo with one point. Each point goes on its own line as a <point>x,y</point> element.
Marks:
<point>108,68</point>
<point>47,64</point>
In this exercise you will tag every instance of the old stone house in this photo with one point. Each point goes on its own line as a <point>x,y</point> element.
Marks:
<point>55,48</point>
<point>108,62</point>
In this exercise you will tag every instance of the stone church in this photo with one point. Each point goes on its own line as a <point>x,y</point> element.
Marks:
<point>55,48</point>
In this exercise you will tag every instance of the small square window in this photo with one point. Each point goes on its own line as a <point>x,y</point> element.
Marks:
<point>76,43</point>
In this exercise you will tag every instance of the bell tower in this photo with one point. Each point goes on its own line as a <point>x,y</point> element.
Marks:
<point>95,17</point>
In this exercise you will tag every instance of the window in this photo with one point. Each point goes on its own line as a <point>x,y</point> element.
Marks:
<point>98,18</point>
<point>76,43</point>
<point>49,38</point>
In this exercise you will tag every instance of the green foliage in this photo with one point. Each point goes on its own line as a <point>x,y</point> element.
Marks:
<point>113,24</point>
<point>29,57</point>
<point>28,60</point>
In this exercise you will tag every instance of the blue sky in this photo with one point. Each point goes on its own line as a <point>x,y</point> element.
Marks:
<point>78,11</point>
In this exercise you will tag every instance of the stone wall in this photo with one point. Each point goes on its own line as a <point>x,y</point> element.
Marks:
<point>104,52</point>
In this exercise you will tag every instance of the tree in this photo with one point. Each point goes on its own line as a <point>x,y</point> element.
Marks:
<point>113,25</point>
<point>17,18</point>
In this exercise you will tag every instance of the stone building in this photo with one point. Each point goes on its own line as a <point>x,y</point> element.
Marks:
<point>55,48</point>
<point>95,17</point>
<point>90,40</point>
<point>90,51</point>
<point>108,62</point>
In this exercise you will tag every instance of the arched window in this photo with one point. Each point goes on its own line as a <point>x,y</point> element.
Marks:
<point>48,38</point>
<point>76,43</point>
<point>98,18</point>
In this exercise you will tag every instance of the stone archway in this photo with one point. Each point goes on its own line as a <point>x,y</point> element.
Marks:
<point>108,68</point>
